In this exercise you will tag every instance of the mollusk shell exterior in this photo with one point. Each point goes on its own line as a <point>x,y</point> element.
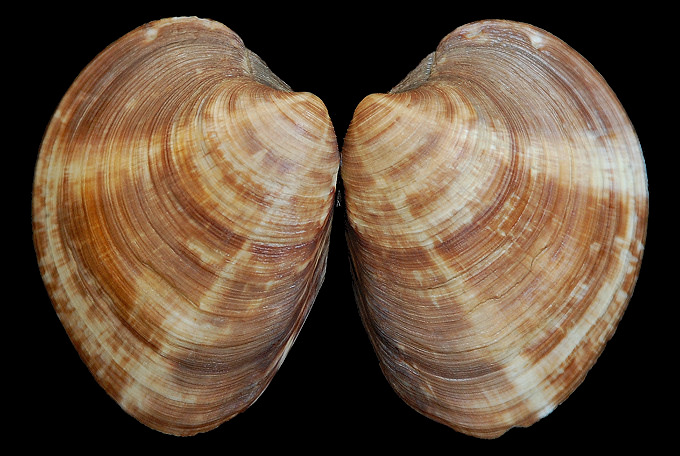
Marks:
<point>183,199</point>
<point>497,209</point>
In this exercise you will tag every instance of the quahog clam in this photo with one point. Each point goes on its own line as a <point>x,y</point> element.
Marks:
<point>496,207</point>
<point>182,204</point>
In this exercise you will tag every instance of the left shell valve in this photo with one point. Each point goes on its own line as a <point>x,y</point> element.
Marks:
<point>182,206</point>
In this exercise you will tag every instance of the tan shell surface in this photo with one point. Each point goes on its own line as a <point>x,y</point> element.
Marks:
<point>183,199</point>
<point>497,210</point>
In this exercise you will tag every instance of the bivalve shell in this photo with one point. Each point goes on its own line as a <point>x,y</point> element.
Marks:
<point>497,210</point>
<point>182,206</point>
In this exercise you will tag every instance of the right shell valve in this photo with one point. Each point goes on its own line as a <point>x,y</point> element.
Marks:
<point>497,205</point>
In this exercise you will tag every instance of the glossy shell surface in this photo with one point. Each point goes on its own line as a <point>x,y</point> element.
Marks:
<point>182,204</point>
<point>497,208</point>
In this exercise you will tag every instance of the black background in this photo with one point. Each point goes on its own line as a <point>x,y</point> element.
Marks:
<point>330,393</point>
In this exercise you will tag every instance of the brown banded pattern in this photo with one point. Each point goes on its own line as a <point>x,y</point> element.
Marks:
<point>182,206</point>
<point>497,208</point>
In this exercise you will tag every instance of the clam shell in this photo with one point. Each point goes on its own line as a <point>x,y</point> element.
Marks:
<point>182,204</point>
<point>497,208</point>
